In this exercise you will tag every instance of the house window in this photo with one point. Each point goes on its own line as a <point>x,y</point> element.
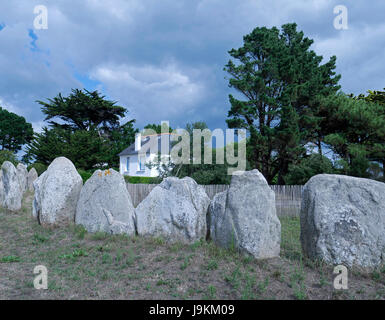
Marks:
<point>142,161</point>
<point>128,164</point>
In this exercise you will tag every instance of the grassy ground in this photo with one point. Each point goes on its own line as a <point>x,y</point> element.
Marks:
<point>100,266</point>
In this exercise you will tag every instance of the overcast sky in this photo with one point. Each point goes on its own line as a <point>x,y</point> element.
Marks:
<point>164,59</point>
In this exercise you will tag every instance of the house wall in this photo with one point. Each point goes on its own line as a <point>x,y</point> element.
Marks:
<point>133,169</point>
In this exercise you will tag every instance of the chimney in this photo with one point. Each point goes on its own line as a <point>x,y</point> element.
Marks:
<point>165,138</point>
<point>138,141</point>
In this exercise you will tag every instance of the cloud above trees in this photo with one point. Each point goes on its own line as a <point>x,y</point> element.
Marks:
<point>163,60</point>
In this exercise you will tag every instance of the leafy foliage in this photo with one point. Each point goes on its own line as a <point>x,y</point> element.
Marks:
<point>6,155</point>
<point>309,166</point>
<point>84,174</point>
<point>358,135</point>
<point>14,131</point>
<point>378,152</point>
<point>119,139</point>
<point>281,80</point>
<point>157,128</point>
<point>82,111</point>
<point>39,167</point>
<point>90,134</point>
<point>86,149</point>
<point>145,180</point>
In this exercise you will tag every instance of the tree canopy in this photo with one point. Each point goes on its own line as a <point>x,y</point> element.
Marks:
<point>90,133</point>
<point>119,139</point>
<point>84,148</point>
<point>280,80</point>
<point>358,134</point>
<point>157,128</point>
<point>14,131</point>
<point>82,110</point>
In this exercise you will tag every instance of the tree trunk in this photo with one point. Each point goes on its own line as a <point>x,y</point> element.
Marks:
<point>283,170</point>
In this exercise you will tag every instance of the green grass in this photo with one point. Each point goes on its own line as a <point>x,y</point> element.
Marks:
<point>290,238</point>
<point>262,286</point>
<point>300,292</point>
<point>211,293</point>
<point>248,292</point>
<point>8,259</point>
<point>80,232</point>
<point>99,236</point>
<point>212,265</point>
<point>39,238</point>
<point>186,262</point>
<point>234,277</point>
<point>84,265</point>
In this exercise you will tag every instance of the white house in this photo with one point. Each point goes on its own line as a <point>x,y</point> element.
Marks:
<point>133,159</point>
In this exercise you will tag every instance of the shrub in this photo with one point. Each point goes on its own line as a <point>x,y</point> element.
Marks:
<point>6,155</point>
<point>146,180</point>
<point>84,174</point>
<point>308,167</point>
<point>39,167</point>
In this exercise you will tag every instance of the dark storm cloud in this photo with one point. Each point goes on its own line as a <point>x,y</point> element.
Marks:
<point>163,60</point>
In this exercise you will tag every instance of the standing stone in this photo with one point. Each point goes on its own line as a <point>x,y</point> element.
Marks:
<point>343,220</point>
<point>175,210</point>
<point>2,191</point>
<point>57,192</point>
<point>32,176</point>
<point>36,204</point>
<point>13,194</point>
<point>22,174</point>
<point>244,216</point>
<point>217,223</point>
<point>105,204</point>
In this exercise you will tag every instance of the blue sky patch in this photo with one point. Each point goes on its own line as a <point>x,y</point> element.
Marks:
<point>87,82</point>
<point>34,38</point>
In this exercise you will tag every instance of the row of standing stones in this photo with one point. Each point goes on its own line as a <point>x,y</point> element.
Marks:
<point>342,218</point>
<point>14,181</point>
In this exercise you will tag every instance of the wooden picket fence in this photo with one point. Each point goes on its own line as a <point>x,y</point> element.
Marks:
<point>287,198</point>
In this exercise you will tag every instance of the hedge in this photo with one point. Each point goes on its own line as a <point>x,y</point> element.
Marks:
<point>145,180</point>
<point>39,167</point>
<point>84,174</point>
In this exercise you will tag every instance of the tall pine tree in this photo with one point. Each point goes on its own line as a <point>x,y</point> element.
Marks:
<point>280,80</point>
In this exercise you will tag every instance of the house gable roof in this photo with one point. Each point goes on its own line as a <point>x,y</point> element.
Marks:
<point>145,139</point>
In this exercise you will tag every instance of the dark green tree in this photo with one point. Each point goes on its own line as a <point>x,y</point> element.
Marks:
<point>300,173</point>
<point>46,146</point>
<point>156,127</point>
<point>358,134</point>
<point>82,111</point>
<point>119,139</point>
<point>86,149</point>
<point>374,96</point>
<point>6,155</point>
<point>14,131</point>
<point>89,132</point>
<point>281,81</point>
<point>39,167</point>
<point>378,151</point>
